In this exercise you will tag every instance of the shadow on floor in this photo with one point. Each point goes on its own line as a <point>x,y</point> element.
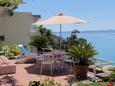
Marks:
<point>31,70</point>
<point>8,81</point>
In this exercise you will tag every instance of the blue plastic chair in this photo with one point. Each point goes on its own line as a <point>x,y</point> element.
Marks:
<point>24,50</point>
<point>28,53</point>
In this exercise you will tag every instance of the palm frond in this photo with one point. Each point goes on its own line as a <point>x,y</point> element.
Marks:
<point>82,52</point>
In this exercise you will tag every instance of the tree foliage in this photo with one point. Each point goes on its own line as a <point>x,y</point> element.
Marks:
<point>39,42</point>
<point>10,5</point>
<point>73,40</point>
<point>45,39</point>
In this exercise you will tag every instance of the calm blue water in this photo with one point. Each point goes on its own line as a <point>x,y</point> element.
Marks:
<point>104,42</point>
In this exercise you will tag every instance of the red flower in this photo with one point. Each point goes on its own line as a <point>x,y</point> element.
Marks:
<point>109,84</point>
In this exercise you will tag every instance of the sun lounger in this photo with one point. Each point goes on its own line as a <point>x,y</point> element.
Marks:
<point>27,55</point>
<point>6,67</point>
<point>99,63</point>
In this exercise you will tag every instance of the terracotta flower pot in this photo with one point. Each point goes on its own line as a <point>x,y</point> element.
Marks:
<point>81,71</point>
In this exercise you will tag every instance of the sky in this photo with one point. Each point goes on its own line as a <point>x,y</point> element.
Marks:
<point>100,14</point>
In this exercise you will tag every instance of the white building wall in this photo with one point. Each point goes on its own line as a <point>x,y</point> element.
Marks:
<point>16,28</point>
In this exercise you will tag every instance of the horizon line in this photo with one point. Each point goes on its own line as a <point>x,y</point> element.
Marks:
<point>87,30</point>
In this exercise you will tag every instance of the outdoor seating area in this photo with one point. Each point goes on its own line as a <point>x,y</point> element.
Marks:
<point>22,64</point>
<point>57,43</point>
<point>49,65</point>
<point>42,59</point>
<point>27,72</point>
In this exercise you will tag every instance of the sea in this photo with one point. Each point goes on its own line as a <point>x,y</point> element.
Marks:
<point>102,40</point>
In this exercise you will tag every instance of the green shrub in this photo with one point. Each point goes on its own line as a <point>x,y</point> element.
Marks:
<point>74,39</point>
<point>46,82</point>
<point>55,42</point>
<point>91,84</point>
<point>34,83</point>
<point>11,51</point>
<point>39,42</point>
<point>112,76</point>
<point>8,3</point>
<point>105,78</point>
<point>112,69</point>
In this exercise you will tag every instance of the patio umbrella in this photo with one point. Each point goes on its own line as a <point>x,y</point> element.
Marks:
<point>60,19</point>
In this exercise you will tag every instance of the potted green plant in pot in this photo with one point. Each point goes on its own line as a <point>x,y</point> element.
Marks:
<point>81,53</point>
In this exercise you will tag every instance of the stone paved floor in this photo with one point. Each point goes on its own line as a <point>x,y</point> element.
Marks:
<point>27,72</point>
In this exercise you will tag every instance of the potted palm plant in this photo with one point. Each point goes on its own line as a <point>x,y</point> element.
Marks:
<point>81,53</point>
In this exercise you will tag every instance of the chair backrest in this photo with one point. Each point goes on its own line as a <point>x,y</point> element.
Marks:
<point>33,49</point>
<point>24,50</point>
<point>47,57</point>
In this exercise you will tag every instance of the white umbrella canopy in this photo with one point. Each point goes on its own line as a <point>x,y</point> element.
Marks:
<point>60,19</point>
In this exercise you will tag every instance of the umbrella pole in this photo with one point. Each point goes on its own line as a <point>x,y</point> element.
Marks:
<point>60,36</point>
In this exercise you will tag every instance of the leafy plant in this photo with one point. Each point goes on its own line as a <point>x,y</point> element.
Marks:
<point>103,77</point>
<point>108,77</point>
<point>10,3</point>
<point>82,52</point>
<point>45,39</point>
<point>112,69</point>
<point>48,82</point>
<point>91,84</point>
<point>43,31</point>
<point>81,41</point>
<point>34,83</point>
<point>39,42</point>
<point>112,76</point>
<point>11,51</point>
<point>42,39</point>
<point>6,50</point>
<point>74,39</point>
<point>55,42</point>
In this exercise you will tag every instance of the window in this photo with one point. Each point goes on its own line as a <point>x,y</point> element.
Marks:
<point>2,37</point>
